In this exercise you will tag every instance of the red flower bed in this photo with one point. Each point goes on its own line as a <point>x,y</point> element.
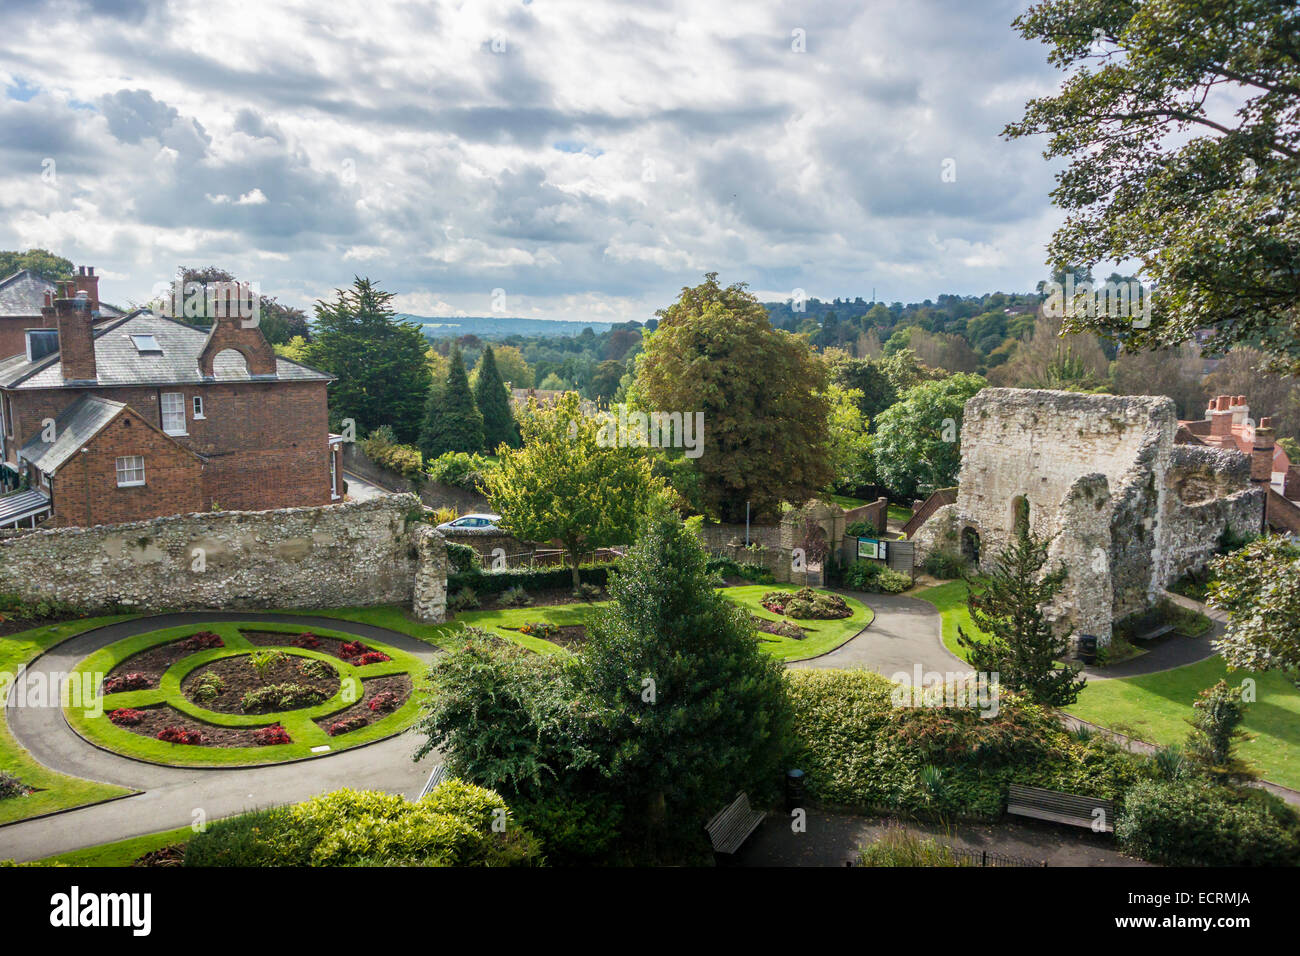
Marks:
<point>126,716</point>
<point>371,657</point>
<point>352,649</point>
<point>132,681</point>
<point>179,735</point>
<point>269,736</point>
<point>202,641</point>
<point>384,702</point>
<point>346,725</point>
<point>307,639</point>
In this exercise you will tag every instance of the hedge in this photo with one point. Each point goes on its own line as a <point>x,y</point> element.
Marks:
<point>531,579</point>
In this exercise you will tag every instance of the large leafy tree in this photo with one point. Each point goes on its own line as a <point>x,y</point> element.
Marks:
<point>379,361</point>
<point>1206,201</point>
<point>452,421</point>
<point>1021,646</point>
<point>41,261</point>
<point>565,484</point>
<point>762,392</point>
<point>1258,586</point>
<point>917,440</point>
<point>493,403</point>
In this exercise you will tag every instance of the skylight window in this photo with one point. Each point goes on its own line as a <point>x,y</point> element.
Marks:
<point>146,343</point>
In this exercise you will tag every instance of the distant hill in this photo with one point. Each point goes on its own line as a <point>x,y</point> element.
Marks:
<point>495,328</point>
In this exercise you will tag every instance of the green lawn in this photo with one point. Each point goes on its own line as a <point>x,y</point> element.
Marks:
<point>54,790</point>
<point>845,502</point>
<point>92,722</point>
<point>120,853</point>
<point>900,513</point>
<point>949,600</point>
<point>823,636</point>
<point>1156,708</point>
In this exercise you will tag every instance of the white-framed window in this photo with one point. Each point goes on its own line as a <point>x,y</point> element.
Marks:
<point>198,406</point>
<point>130,471</point>
<point>173,413</point>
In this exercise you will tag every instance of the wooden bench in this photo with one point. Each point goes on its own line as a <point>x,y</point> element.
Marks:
<point>1061,807</point>
<point>438,776</point>
<point>733,824</point>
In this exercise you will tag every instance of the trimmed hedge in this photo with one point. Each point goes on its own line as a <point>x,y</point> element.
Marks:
<point>461,557</point>
<point>531,579</point>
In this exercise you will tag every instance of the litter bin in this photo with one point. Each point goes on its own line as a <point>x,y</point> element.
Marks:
<point>1088,649</point>
<point>793,789</point>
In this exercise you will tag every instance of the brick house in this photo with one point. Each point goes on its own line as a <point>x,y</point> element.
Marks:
<point>134,416</point>
<point>22,296</point>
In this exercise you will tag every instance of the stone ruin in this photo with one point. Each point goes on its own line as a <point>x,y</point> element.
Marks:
<point>1127,510</point>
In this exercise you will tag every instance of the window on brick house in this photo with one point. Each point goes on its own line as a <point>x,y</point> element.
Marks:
<point>173,413</point>
<point>130,471</point>
<point>198,406</point>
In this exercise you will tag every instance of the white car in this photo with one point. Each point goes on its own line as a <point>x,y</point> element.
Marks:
<point>478,522</point>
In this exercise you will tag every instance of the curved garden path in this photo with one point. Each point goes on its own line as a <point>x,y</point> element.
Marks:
<point>170,797</point>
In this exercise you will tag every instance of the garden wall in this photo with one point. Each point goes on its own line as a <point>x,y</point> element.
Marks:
<point>357,553</point>
<point>432,493</point>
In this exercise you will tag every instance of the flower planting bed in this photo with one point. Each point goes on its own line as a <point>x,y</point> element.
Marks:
<point>570,636</point>
<point>239,695</point>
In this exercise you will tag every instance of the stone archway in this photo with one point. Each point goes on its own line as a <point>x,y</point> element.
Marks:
<point>970,545</point>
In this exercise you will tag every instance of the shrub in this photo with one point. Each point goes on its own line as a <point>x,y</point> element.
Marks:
<point>461,557</point>
<point>280,697</point>
<point>861,529</point>
<point>347,725</point>
<point>726,567</point>
<point>443,515</point>
<point>807,604</point>
<point>515,597</point>
<point>1194,823</point>
<point>262,662</point>
<point>207,687</point>
<point>900,847</point>
<point>10,786</point>
<point>452,826</point>
<point>533,579</point>
<point>460,470</point>
<point>352,649</point>
<point>371,657</point>
<point>1219,711</point>
<point>307,640</point>
<point>382,448</point>
<point>543,629</point>
<point>179,735</point>
<point>126,716</point>
<point>127,682</point>
<point>385,702</point>
<point>780,628</point>
<point>941,563</point>
<point>587,591</point>
<point>868,576</point>
<point>314,669</point>
<point>271,736</point>
<point>202,641</point>
<point>463,600</point>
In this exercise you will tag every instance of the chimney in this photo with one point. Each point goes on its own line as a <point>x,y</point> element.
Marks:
<point>1240,410</point>
<point>76,337</point>
<point>48,320</point>
<point>86,281</point>
<point>1261,458</point>
<point>1221,416</point>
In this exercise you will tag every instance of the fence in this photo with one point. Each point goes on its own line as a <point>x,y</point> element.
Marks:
<point>985,858</point>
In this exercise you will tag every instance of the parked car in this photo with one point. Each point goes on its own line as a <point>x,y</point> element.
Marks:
<point>478,522</point>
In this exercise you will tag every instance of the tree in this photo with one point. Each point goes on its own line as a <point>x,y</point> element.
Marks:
<point>1258,587</point>
<point>1216,729</point>
<point>40,261</point>
<point>762,393</point>
<point>513,368</point>
<point>1208,204</point>
<point>694,710</point>
<point>917,441</point>
<point>875,391</point>
<point>493,403</point>
<point>1052,358</point>
<point>452,422</point>
<point>1022,648</point>
<point>378,360</point>
<point>565,484</point>
<point>1172,372</point>
<point>849,445</point>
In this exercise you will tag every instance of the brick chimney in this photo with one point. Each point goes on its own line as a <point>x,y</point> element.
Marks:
<point>236,326</point>
<point>76,337</point>
<point>1220,415</point>
<point>48,318</point>
<point>1240,410</point>
<point>86,281</point>
<point>1261,458</point>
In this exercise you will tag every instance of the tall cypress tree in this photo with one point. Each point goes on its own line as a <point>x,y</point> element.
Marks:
<point>451,419</point>
<point>494,405</point>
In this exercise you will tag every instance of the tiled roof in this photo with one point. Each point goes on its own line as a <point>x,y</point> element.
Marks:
<point>23,293</point>
<point>119,362</point>
<point>79,422</point>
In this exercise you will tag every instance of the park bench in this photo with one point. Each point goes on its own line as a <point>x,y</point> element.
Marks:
<point>438,776</point>
<point>1061,807</point>
<point>1150,626</point>
<point>733,824</point>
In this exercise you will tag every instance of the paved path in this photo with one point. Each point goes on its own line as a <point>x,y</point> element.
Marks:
<point>904,635</point>
<point>172,797</point>
<point>1170,651</point>
<point>361,490</point>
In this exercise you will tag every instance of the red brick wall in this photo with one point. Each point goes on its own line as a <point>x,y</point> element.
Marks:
<point>86,490</point>
<point>13,332</point>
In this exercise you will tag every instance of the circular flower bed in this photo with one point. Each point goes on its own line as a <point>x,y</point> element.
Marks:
<point>807,604</point>
<point>243,694</point>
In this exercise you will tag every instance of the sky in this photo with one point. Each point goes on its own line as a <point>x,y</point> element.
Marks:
<point>572,160</point>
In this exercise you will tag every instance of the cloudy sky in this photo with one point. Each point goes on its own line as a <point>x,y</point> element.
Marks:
<point>589,159</point>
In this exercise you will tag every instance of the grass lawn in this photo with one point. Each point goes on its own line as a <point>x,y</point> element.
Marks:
<point>93,723</point>
<point>949,600</point>
<point>54,790</point>
<point>900,513</point>
<point>120,853</point>
<point>1156,708</point>
<point>845,502</point>
<point>823,636</point>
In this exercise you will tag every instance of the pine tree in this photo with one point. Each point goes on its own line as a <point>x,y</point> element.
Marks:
<point>451,419</point>
<point>1022,647</point>
<point>490,395</point>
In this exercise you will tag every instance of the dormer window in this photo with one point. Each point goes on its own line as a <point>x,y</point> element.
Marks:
<point>145,343</point>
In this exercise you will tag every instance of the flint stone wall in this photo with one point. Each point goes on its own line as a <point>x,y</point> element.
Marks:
<point>356,553</point>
